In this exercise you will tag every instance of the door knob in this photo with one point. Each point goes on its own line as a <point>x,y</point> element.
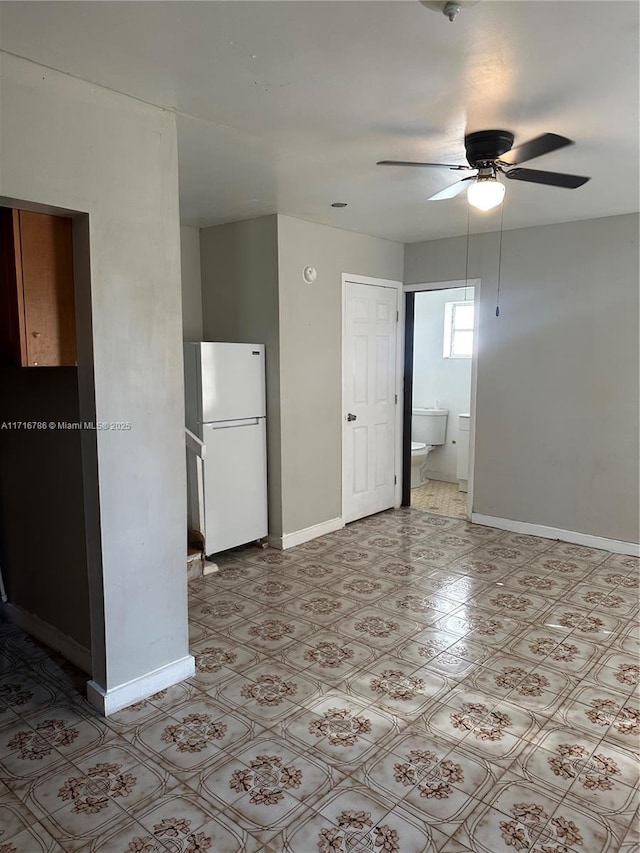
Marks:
<point>351,417</point>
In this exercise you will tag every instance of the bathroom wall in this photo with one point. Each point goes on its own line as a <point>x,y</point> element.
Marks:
<point>446,381</point>
<point>557,391</point>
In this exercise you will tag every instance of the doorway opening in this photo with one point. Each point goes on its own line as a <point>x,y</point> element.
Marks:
<point>439,378</point>
<point>49,516</point>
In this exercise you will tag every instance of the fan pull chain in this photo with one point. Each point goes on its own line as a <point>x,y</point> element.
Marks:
<point>466,268</point>
<point>499,262</point>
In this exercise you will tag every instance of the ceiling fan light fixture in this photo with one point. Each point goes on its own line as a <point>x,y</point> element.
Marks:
<point>485,193</point>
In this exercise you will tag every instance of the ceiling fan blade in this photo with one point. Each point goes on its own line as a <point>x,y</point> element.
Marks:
<point>452,190</point>
<point>409,163</point>
<point>551,179</point>
<point>535,148</point>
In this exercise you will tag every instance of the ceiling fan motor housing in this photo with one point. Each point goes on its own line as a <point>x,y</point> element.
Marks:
<point>485,146</point>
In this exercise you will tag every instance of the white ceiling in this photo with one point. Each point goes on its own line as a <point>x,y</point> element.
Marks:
<point>286,106</point>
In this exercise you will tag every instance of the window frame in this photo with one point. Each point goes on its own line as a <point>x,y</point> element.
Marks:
<point>450,329</point>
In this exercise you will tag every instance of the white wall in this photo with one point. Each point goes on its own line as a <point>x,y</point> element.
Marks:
<point>76,146</point>
<point>311,359</point>
<point>438,379</point>
<point>557,439</point>
<point>191,283</point>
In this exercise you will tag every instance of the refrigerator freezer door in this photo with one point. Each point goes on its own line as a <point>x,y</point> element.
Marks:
<point>232,377</point>
<point>235,484</point>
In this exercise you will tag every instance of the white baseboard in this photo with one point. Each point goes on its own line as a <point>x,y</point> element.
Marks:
<point>290,540</point>
<point>615,545</point>
<point>109,701</point>
<point>441,477</point>
<point>48,634</point>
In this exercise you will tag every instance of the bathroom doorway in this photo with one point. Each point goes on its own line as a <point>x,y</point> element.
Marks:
<point>439,375</point>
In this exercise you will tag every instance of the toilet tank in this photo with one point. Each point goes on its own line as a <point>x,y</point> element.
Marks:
<point>429,425</point>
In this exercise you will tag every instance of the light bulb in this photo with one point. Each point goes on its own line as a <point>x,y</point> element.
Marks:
<point>485,193</point>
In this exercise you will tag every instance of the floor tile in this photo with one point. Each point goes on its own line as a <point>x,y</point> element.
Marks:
<point>224,611</point>
<point>397,688</point>
<point>522,816</point>
<point>356,556</point>
<point>185,821</point>
<point>377,627</point>
<point>22,692</point>
<point>431,781</point>
<point>270,631</point>
<point>597,776</point>
<point>265,786</point>
<point>341,730</point>
<point>600,712</point>
<point>361,586</point>
<point>631,843</point>
<point>353,818</point>
<point>411,682</point>
<point>218,660</point>
<point>15,817</point>
<point>328,657</point>
<point>32,839</point>
<point>313,572</point>
<point>196,733</point>
<point>443,498</point>
<point>321,606</point>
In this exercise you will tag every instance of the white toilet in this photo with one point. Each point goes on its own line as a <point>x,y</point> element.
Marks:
<point>428,430</point>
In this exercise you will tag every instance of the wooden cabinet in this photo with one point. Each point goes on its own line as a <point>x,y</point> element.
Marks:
<point>37,314</point>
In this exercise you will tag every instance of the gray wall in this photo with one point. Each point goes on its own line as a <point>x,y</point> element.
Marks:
<point>191,283</point>
<point>557,397</point>
<point>240,304</point>
<point>42,531</point>
<point>446,381</point>
<point>311,359</point>
<point>252,290</point>
<point>76,146</point>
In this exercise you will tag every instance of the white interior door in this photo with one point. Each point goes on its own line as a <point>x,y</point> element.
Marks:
<point>369,399</point>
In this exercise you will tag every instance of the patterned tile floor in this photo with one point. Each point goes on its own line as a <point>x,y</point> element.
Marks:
<point>439,497</point>
<point>411,683</point>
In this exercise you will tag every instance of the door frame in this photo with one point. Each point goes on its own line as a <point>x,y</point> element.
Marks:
<point>410,290</point>
<point>400,325</point>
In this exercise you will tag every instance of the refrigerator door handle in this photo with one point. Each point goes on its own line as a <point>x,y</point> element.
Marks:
<point>233,424</point>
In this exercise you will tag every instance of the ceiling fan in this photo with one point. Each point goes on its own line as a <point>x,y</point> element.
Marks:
<point>489,154</point>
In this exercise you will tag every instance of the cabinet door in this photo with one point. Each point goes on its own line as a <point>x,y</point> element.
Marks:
<point>47,281</point>
<point>462,471</point>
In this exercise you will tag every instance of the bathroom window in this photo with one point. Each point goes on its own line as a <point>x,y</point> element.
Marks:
<point>458,330</point>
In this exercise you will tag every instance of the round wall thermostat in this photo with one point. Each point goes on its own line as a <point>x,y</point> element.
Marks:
<point>309,274</point>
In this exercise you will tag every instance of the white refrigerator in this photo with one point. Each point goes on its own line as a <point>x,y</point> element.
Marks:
<point>226,410</point>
